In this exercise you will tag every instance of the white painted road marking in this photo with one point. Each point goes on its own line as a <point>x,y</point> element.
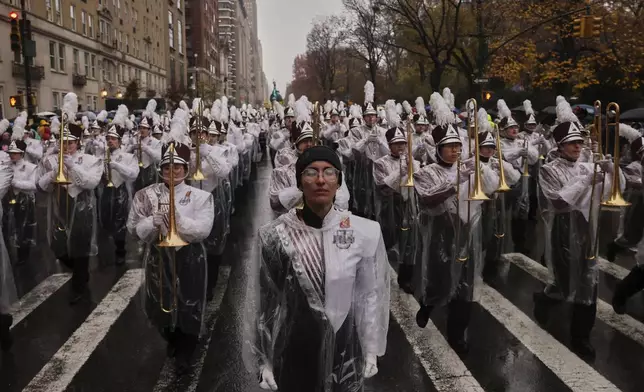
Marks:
<point>442,365</point>
<point>571,370</point>
<point>625,324</point>
<point>37,296</point>
<point>59,372</point>
<point>167,377</point>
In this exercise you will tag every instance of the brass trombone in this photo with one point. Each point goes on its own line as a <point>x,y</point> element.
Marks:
<point>108,159</point>
<point>595,130</point>
<point>526,166</point>
<point>503,184</point>
<point>410,158</point>
<point>316,124</point>
<point>477,193</point>
<point>140,149</point>
<point>171,240</point>
<point>615,200</point>
<point>198,174</point>
<point>61,180</point>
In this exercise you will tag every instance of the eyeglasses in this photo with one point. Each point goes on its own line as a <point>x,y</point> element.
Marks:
<point>330,174</point>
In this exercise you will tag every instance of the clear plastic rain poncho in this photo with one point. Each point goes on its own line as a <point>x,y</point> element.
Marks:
<point>286,156</point>
<point>19,223</point>
<point>72,212</point>
<point>8,293</point>
<point>566,189</point>
<point>365,152</point>
<point>631,227</point>
<point>318,303</point>
<point>451,257</point>
<point>396,210</point>
<point>194,211</point>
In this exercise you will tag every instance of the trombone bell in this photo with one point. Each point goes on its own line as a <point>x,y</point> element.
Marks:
<point>198,175</point>
<point>172,240</point>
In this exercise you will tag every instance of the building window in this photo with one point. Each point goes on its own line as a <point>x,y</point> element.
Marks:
<point>86,64</point>
<point>178,4</point>
<point>52,55</point>
<point>127,44</point>
<point>90,24</point>
<point>72,15</point>
<point>94,102</point>
<point>84,23</point>
<point>50,11</point>
<point>179,37</point>
<point>61,57</point>
<point>88,99</point>
<point>120,40</point>
<point>170,30</point>
<point>58,11</point>
<point>56,100</point>
<point>93,65</point>
<point>75,59</point>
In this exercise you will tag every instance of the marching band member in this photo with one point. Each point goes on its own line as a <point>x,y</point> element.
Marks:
<point>279,139</point>
<point>334,130</point>
<point>396,209</point>
<point>150,149</point>
<point>451,255</point>
<point>149,218</point>
<point>423,149</point>
<point>121,170</point>
<point>516,150</point>
<point>20,213</point>
<point>566,187</point>
<point>72,220</point>
<point>8,293</point>
<point>323,291</point>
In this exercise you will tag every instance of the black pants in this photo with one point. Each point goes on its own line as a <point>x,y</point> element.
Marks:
<point>120,248</point>
<point>213,271</point>
<point>273,154</point>
<point>80,269</point>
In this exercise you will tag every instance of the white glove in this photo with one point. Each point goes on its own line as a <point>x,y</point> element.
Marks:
<point>114,165</point>
<point>204,149</point>
<point>523,152</point>
<point>370,366</point>
<point>469,164</point>
<point>539,140</point>
<point>68,160</point>
<point>160,221</point>
<point>267,379</point>
<point>373,138</point>
<point>606,165</point>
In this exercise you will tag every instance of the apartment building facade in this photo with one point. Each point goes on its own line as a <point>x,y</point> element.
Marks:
<point>94,48</point>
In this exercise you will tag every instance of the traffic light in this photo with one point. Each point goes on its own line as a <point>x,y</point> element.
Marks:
<point>595,26</point>
<point>578,27</point>
<point>487,95</point>
<point>15,32</point>
<point>15,101</point>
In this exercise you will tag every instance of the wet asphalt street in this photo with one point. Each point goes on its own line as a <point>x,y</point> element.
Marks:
<point>108,346</point>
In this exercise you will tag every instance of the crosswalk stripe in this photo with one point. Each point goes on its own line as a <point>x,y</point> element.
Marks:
<point>611,268</point>
<point>442,365</point>
<point>59,372</point>
<point>575,373</point>
<point>37,296</point>
<point>625,324</point>
<point>167,377</point>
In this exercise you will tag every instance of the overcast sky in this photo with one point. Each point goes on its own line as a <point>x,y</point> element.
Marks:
<point>283,25</point>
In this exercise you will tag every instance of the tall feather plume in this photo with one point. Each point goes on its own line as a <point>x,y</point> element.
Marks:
<point>631,134</point>
<point>369,91</point>
<point>341,106</point>
<point>302,113</point>
<point>85,122</point>
<point>215,111</point>
<point>449,98</point>
<point>178,128</point>
<point>407,107</point>
<point>564,112</point>
<point>120,117</point>
<point>70,106</point>
<point>279,109</point>
<point>225,111</point>
<point>393,119</point>
<point>334,105</point>
<point>559,99</point>
<point>399,108</point>
<point>328,106</point>
<point>442,113</point>
<point>206,113</point>
<point>420,106</point>
<point>5,124</point>
<point>233,113</point>
<point>238,116</point>
<point>156,119</point>
<point>382,114</point>
<point>195,106</point>
<point>183,106</point>
<point>129,124</point>
<point>354,111</point>
<point>54,127</point>
<point>150,108</point>
<point>504,110</point>
<point>19,125</point>
<point>484,124</point>
<point>527,106</point>
<point>291,100</point>
<point>102,116</point>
